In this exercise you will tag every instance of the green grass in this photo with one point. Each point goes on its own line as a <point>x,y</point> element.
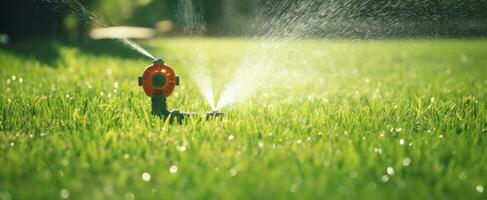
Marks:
<point>79,122</point>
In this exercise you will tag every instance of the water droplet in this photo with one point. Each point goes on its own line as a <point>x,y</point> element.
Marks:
<point>65,162</point>
<point>14,77</point>
<point>21,80</point>
<point>260,144</point>
<point>401,141</point>
<point>64,193</point>
<point>146,177</point>
<point>173,169</point>
<point>385,178</point>
<point>463,176</point>
<point>479,188</point>
<point>116,84</point>
<point>129,196</point>
<point>233,172</point>
<point>293,188</point>
<point>378,150</point>
<point>8,81</point>
<point>182,148</point>
<point>406,162</point>
<point>390,171</point>
<point>231,137</point>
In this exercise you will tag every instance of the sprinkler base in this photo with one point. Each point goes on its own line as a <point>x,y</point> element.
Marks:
<point>214,114</point>
<point>178,116</point>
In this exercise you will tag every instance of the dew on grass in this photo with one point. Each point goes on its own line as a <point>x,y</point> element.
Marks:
<point>21,80</point>
<point>406,162</point>
<point>441,136</point>
<point>260,144</point>
<point>64,193</point>
<point>231,137</point>
<point>378,150</point>
<point>233,172</point>
<point>401,141</point>
<point>463,176</point>
<point>293,188</point>
<point>129,196</point>
<point>173,169</point>
<point>182,148</point>
<point>14,77</point>
<point>146,176</point>
<point>65,162</point>
<point>390,171</point>
<point>385,178</point>
<point>479,188</point>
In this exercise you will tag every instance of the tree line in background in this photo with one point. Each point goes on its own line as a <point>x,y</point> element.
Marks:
<point>352,18</point>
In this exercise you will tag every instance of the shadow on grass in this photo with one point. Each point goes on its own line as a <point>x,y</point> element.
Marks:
<point>49,51</point>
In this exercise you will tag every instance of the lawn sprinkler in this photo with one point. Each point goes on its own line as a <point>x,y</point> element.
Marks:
<point>159,81</point>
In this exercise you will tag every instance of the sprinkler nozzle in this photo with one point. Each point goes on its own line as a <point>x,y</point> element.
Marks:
<point>214,114</point>
<point>158,61</point>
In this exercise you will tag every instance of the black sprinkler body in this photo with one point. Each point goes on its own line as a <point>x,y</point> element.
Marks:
<point>214,114</point>
<point>159,81</point>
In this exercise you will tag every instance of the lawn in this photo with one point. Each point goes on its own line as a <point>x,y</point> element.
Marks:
<point>386,119</point>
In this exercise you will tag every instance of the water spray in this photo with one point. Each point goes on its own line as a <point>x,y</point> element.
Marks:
<point>159,81</point>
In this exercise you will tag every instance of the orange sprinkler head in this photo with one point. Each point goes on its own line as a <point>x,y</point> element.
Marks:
<point>158,79</point>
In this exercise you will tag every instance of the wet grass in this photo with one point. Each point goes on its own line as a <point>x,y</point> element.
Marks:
<point>366,120</point>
